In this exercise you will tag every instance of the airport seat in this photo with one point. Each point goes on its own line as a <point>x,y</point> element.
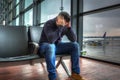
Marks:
<point>14,44</point>
<point>19,43</point>
<point>35,33</point>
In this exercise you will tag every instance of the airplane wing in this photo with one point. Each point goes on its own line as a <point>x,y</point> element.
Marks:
<point>94,41</point>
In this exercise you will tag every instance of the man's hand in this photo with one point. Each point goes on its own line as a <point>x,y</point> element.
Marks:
<point>61,22</point>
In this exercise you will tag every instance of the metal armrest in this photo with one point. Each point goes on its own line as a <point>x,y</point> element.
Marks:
<point>36,47</point>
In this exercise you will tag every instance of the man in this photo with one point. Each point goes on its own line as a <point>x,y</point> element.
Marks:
<point>51,45</point>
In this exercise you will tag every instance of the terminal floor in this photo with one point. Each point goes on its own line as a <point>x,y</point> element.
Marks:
<point>90,70</point>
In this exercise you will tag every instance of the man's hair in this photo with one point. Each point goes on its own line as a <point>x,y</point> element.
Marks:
<point>65,15</point>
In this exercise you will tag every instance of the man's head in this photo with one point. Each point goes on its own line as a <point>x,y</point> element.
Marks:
<point>63,19</point>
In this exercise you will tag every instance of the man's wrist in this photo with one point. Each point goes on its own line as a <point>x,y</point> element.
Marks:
<point>68,27</point>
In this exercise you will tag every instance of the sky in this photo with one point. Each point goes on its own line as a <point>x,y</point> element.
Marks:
<point>98,23</point>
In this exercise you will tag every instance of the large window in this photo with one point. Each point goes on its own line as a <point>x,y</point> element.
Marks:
<point>98,28</point>
<point>28,18</point>
<point>101,35</point>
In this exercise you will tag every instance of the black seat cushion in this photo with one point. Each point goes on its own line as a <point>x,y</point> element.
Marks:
<point>13,41</point>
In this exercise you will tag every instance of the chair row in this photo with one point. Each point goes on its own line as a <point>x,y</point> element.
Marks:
<point>20,43</point>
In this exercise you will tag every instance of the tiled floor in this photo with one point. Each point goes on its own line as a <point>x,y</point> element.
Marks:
<point>90,70</point>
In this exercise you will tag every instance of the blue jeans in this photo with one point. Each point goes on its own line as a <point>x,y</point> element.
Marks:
<point>51,50</point>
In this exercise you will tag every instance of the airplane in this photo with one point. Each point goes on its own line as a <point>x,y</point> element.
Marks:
<point>95,41</point>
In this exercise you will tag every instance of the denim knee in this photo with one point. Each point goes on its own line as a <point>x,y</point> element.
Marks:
<point>75,47</point>
<point>50,46</point>
<point>50,49</point>
<point>47,48</point>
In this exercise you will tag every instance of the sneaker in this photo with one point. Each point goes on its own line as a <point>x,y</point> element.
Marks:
<point>76,76</point>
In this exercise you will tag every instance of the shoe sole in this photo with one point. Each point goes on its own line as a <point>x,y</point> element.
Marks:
<point>73,78</point>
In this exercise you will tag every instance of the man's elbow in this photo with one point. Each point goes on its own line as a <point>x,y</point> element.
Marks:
<point>73,40</point>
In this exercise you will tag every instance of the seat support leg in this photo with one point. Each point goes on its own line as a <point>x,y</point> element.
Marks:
<point>65,68</point>
<point>63,65</point>
<point>58,63</point>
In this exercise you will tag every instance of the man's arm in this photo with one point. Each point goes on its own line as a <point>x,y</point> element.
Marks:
<point>71,35</point>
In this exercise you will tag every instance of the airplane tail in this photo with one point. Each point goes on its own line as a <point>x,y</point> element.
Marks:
<point>104,35</point>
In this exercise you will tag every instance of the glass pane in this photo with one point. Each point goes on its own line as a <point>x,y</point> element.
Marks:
<point>28,3</point>
<point>10,16</point>
<point>17,21</point>
<point>17,10</point>
<point>51,8</point>
<point>10,6</point>
<point>95,4</point>
<point>3,22</point>
<point>28,21</point>
<point>17,1</point>
<point>101,32</point>
<point>41,25</point>
<point>10,23</point>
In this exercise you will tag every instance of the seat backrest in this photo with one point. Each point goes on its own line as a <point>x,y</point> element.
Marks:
<point>35,33</point>
<point>13,41</point>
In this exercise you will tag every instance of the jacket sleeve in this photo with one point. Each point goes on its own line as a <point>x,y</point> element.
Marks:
<point>70,34</point>
<point>51,33</point>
